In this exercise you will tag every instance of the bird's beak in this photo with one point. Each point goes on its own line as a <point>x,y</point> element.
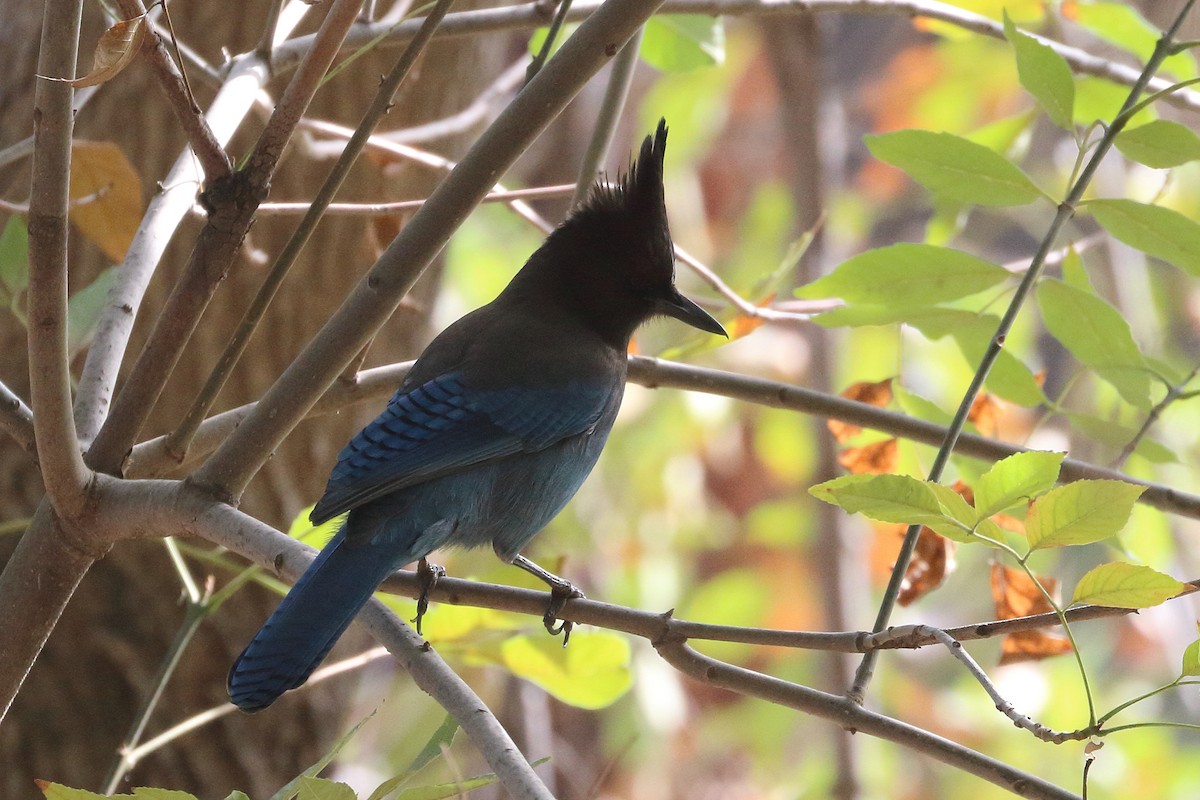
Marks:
<point>677,306</point>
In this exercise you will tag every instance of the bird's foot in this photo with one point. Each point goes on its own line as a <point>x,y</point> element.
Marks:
<point>559,595</point>
<point>561,590</point>
<point>428,574</point>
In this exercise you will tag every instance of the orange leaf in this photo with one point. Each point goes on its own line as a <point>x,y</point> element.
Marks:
<point>877,393</point>
<point>744,324</point>
<point>114,52</point>
<point>932,561</point>
<point>1015,595</point>
<point>101,174</point>
<point>876,458</point>
<point>985,414</point>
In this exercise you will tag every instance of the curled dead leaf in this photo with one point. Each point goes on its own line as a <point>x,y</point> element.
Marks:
<point>876,458</point>
<point>1016,595</point>
<point>114,52</point>
<point>874,393</point>
<point>932,561</point>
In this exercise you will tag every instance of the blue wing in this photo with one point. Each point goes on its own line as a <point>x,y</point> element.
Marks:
<point>443,426</point>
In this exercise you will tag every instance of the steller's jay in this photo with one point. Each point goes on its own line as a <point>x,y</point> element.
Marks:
<point>494,429</point>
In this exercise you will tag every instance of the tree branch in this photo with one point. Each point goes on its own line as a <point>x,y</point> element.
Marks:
<point>854,718</point>
<point>180,507</point>
<point>377,295</point>
<point>63,470</point>
<point>181,438</point>
<point>212,156</point>
<point>17,420</point>
<point>246,77</point>
<point>532,15</point>
<point>38,580</point>
<point>233,203</point>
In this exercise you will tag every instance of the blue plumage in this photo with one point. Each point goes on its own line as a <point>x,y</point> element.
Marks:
<point>495,428</point>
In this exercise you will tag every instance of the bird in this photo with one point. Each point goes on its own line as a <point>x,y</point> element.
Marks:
<point>494,428</point>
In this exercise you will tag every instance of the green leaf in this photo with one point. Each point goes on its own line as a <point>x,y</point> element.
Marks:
<point>906,274</point>
<point>290,789</point>
<point>1010,377</point>
<point>1004,134</point>
<point>1160,232</point>
<point>1122,585</point>
<point>1045,75</point>
<point>1080,513</point>
<point>1096,334</point>
<point>1016,479</point>
<point>321,789</point>
<point>1161,144</point>
<point>731,597</point>
<point>592,673</point>
<point>955,167</point>
<point>920,407</point>
<point>442,791</point>
<point>1123,26</point>
<point>56,791</point>
<point>304,531</point>
<point>682,42</point>
<point>1115,435</point>
<point>892,498</point>
<point>14,258</point>
<point>237,794</point>
<point>538,38</point>
<point>443,737</point>
<point>1074,272</point>
<point>1099,99</point>
<point>1191,660</point>
<point>84,310</point>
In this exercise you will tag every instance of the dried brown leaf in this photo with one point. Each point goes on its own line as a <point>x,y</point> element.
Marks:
<point>114,52</point>
<point>876,458</point>
<point>875,393</point>
<point>1016,595</point>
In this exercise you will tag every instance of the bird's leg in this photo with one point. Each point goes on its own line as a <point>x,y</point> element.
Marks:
<point>561,590</point>
<point>428,574</point>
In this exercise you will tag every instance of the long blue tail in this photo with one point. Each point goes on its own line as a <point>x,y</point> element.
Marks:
<point>305,626</point>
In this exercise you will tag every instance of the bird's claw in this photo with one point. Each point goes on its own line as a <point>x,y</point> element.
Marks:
<point>428,574</point>
<point>560,593</point>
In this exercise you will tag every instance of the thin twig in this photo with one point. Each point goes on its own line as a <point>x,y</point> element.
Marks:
<point>1066,210</point>
<point>150,458</point>
<point>1002,704</point>
<point>17,420</point>
<point>527,16</point>
<point>195,614</point>
<point>372,301</point>
<point>232,203</point>
<point>133,755</point>
<point>853,717</point>
<point>212,156</point>
<point>246,77</point>
<point>1172,395</point>
<point>181,438</point>
<point>178,507</point>
<point>615,94</point>
<point>374,209</point>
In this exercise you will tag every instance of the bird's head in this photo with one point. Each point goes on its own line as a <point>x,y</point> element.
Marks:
<point>612,261</point>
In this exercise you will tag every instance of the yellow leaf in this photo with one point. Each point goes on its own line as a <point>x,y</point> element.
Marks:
<point>111,189</point>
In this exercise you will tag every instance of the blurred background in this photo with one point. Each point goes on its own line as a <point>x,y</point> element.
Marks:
<point>699,503</point>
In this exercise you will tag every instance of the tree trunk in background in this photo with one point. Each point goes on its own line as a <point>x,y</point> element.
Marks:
<point>98,666</point>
